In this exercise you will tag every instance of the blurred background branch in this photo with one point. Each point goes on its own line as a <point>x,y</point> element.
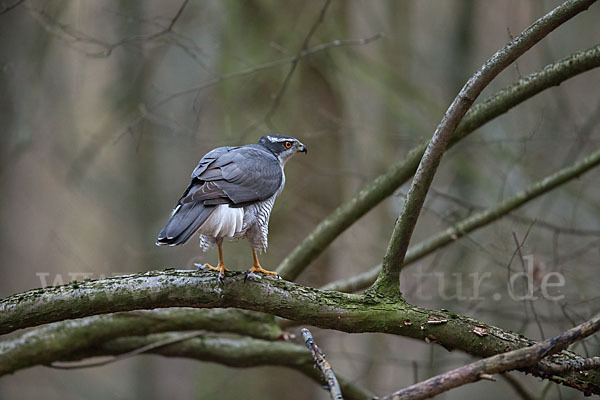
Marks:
<point>384,185</point>
<point>473,222</point>
<point>389,280</point>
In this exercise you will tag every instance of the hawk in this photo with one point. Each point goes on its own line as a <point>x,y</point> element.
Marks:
<point>231,196</point>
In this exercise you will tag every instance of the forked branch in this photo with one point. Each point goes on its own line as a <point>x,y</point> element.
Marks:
<point>516,359</point>
<point>403,229</point>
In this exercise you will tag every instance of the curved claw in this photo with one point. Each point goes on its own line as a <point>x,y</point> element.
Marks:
<point>256,273</point>
<point>248,274</point>
<point>220,268</point>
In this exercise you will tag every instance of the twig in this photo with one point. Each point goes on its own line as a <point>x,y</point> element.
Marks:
<point>517,386</point>
<point>516,359</point>
<point>332,384</point>
<point>179,337</point>
<point>11,6</point>
<point>294,63</point>
<point>403,229</point>
<point>177,15</point>
<point>100,139</point>
<point>233,352</point>
<point>540,223</point>
<point>517,251</point>
<point>385,184</point>
<point>248,71</point>
<point>474,221</point>
<point>519,246</point>
<point>71,36</point>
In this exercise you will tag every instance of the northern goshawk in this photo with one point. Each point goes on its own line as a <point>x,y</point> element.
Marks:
<point>231,196</point>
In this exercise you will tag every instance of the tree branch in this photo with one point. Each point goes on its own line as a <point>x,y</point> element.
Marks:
<point>294,63</point>
<point>261,67</point>
<point>518,387</point>
<point>233,352</point>
<point>384,185</point>
<point>334,310</point>
<point>324,367</point>
<point>473,222</point>
<point>388,281</point>
<point>71,36</point>
<point>11,6</point>
<point>57,341</point>
<point>559,367</point>
<point>516,359</point>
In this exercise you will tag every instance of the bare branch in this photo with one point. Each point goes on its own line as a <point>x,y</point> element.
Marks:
<point>233,352</point>
<point>177,15</point>
<point>123,335</point>
<point>71,36</point>
<point>294,63</point>
<point>403,229</point>
<point>474,222</point>
<point>384,185</point>
<point>11,6</point>
<point>179,337</point>
<point>516,359</point>
<point>518,387</point>
<point>332,384</point>
<point>60,339</point>
<point>90,152</point>
<point>251,70</point>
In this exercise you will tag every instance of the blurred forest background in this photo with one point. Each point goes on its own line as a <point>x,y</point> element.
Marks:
<point>107,106</point>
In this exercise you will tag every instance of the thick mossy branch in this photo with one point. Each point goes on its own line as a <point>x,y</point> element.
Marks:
<point>325,309</point>
<point>384,185</point>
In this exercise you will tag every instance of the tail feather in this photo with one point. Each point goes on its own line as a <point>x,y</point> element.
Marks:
<point>186,220</point>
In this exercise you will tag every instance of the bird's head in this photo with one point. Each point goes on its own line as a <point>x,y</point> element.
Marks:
<point>282,146</point>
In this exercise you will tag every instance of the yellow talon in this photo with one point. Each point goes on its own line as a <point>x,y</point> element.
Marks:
<point>257,268</point>
<point>220,267</point>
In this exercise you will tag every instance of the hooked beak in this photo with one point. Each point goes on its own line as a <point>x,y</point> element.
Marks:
<point>302,149</point>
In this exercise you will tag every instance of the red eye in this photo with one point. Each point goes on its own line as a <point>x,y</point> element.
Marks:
<point>288,145</point>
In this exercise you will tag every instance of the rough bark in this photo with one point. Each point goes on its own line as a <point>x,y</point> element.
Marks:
<point>325,309</point>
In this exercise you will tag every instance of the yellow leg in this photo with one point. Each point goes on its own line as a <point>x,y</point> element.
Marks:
<point>256,266</point>
<point>220,266</point>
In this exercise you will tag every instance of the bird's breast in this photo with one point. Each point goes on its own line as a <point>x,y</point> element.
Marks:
<point>223,222</point>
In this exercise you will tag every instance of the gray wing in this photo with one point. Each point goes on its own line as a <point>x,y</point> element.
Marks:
<point>187,218</point>
<point>237,176</point>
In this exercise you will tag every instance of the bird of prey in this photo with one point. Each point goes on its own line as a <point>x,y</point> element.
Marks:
<point>231,196</point>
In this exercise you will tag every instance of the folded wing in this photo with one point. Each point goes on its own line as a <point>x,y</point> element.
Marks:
<point>237,176</point>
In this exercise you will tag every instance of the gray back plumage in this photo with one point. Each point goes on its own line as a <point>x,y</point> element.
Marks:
<point>238,176</point>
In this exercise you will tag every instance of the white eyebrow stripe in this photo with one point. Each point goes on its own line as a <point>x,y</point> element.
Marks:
<point>277,140</point>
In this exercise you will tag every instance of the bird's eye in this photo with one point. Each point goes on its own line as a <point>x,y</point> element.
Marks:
<point>288,145</point>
